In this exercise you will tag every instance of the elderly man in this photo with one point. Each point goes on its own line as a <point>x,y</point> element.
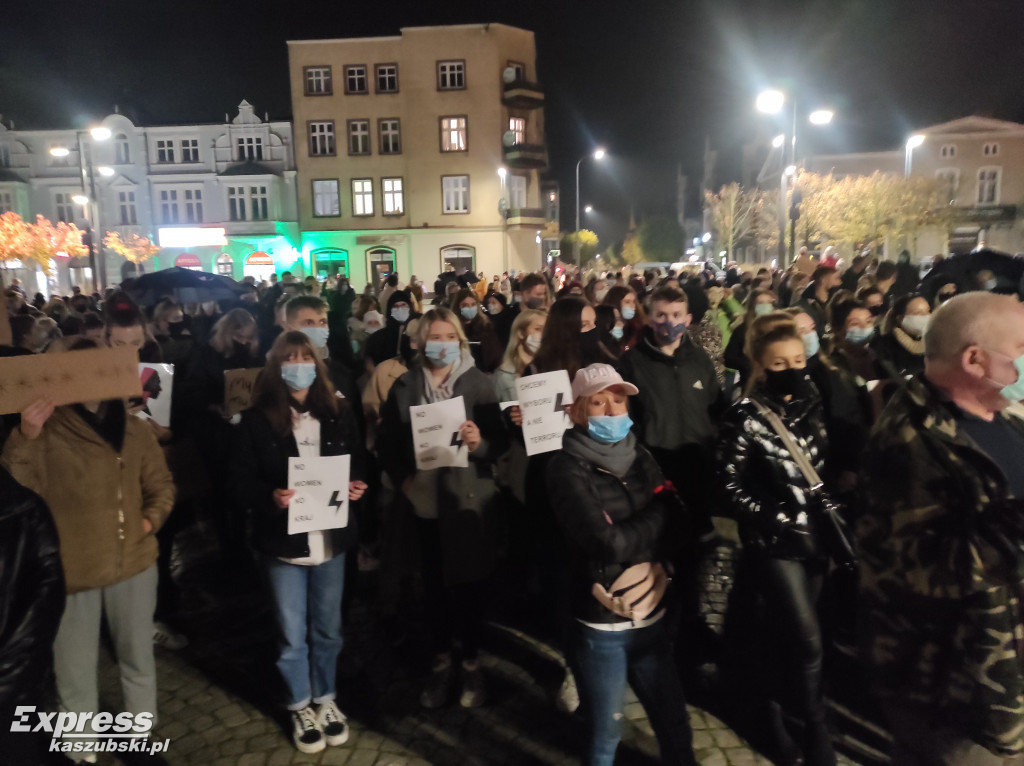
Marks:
<point>942,544</point>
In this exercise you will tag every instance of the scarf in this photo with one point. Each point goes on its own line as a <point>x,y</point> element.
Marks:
<point>909,342</point>
<point>615,458</point>
<point>444,390</point>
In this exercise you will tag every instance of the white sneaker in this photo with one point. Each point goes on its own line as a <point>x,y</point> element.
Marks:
<point>306,731</point>
<point>167,638</point>
<point>568,699</point>
<point>333,724</point>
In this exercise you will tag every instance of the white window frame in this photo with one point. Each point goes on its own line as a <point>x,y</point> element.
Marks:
<point>455,195</point>
<point>390,138</point>
<point>165,151</point>
<point>65,207</point>
<point>193,205</point>
<point>122,150</point>
<point>6,202</point>
<point>318,81</point>
<point>947,151</point>
<point>127,210</point>
<point>326,198</point>
<point>362,197</point>
<point>451,75</point>
<point>990,149</point>
<point>322,139</point>
<point>393,196</point>
<point>358,133</point>
<point>454,133</point>
<point>249,148</point>
<point>190,150</point>
<point>353,74</point>
<point>517,190</point>
<point>386,74</point>
<point>952,178</point>
<point>994,183</point>
<point>518,126</point>
<point>248,203</point>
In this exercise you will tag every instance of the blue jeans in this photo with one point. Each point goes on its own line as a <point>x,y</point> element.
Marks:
<point>606,660</point>
<point>308,596</point>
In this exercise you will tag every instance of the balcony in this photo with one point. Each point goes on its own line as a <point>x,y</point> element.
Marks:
<point>520,94</point>
<point>526,216</point>
<point>526,156</point>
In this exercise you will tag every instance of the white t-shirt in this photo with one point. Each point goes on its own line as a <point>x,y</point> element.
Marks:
<point>306,430</point>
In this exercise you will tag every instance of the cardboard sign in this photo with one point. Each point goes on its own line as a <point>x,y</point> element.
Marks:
<point>435,434</point>
<point>321,493</point>
<point>157,386</point>
<point>90,375</point>
<point>543,399</point>
<point>238,387</point>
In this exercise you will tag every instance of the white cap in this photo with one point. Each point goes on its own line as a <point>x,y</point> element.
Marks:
<point>598,377</point>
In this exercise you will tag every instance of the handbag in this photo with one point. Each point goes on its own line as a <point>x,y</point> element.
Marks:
<point>837,543</point>
<point>636,592</point>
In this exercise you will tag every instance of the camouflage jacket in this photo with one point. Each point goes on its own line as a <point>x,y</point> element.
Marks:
<point>942,572</point>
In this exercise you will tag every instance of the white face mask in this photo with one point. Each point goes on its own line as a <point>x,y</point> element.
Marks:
<point>916,325</point>
<point>533,343</point>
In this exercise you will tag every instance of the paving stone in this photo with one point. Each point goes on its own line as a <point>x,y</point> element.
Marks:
<point>202,723</point>
<point>713,758</point>
<point>281,757</point>
<point>336,756</point>
<point>697,721</point>
<point>725,738</point>
<point>188,744</point>
<point>741,757</point>
<point>265,741</point>
<point>232,747</point>
<point>253,759</point>
<point>389,759</point>
<point>362,757</point>
<point>703,740</point>
<point>371,740</point>
<point>173,730</point>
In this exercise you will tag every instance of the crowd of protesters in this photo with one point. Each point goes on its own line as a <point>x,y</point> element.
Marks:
<point>861,433</point>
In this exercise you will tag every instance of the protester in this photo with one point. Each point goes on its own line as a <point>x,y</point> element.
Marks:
<point>900,345</point>
<point>501,317</point>
<point>854,328</point>
<point>391,341</point>
<point>570,339</point>
<point>624,299</point>
<point>815,297</point>
<point>758,303</point>
<point>308,314</point>
<point>483,340</point>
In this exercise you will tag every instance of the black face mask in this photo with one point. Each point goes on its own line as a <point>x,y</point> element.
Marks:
<point>176,328</point>
<point>588,343</point>
<point>782,383</point>
<point>239,351</point>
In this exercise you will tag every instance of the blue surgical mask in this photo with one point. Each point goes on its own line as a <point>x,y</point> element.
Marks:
<point>1013,392</point>
<point>609,429</point>
<point>316,335</point>
<point>763,308</point>
<point>469,312</point>
<point>298,375</point>
<point>860,335</point>
<point>400,314</point>
<point>628,312</point>
<point>811,343</point>
<point>441,353</point>
<point>617,332</point>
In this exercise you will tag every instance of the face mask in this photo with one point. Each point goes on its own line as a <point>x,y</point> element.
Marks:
<point>298,375</point>
<point>609,429</point>
<point>533,303</point>
<point>176,328</point>
<point>240,349</point>
<point>763,308</point>
<point>533,343</point>
<point>515,299</point>
<point>618,332</point>
<point>859,335</point>
<point>812,345</point>
<point>371,329</point>
<point>628,312</point>
<point>599,295</point>
<point>915,325</point>
<point>877,311</point>
<point>782,383</point>
<point>316,335</point>
<point>209,307</point>
<point>441,353</point>
<point>990,285</point>
<point>469,312</point>
<point>666,333</point>
<point>400,314</point>
<point>1012,392</point>
<point>494,308</point>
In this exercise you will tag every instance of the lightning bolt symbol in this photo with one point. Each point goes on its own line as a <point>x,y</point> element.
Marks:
<point>456,440</point>
<point>558,402</point>
<point>335,502</point>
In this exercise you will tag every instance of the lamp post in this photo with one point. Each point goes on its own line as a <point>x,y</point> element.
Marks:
<point>598,154</point>
<point>912,143</point>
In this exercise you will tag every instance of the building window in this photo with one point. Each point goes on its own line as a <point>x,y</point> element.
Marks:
<point>520,70</point>
<point>318,80</point>
<point>394,196</point>
<point>990,150</point>
<point>193,205</point>
<point>988,186</point>
<point>387,78</point>
<point>459,256</point>
<point>947,150</point>
<point>355,80</point>
<point>65,207</point>
<point>321,138</point>
<point>169,205</point>
<point>6,202</point>
<point>190,150</point>
<point>122,150</point>
<point>517,191</point>
<point>247,203</point>
<point>455,193</point>
<point>5,156</point>
<point>949,181</point>
<point>451,75</point>
<point>326,200</point>
<point>126,207</point>
<point>362,196</point>
<point>517,126</point>
<point>358,137</point>
<point>390,136</point>
<point>453,134</point>
<point>250,148</point>
<point>165,151</point>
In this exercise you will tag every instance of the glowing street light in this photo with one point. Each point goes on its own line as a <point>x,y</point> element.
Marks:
<point>770,101</point>
<point>790,170</point>
<point>80,199</point>
<point>821,116</point>
<point>706,238</point>
<point>502,172</point>
<point>588,209</point>
<point>597,154</point>
<point>778,141</point>
<point>105,170</point>
<point>912,143</point>
<point>100,133</point>
<point>59,151</point>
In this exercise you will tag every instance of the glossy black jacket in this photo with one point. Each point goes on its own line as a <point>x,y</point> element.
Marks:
<point>760,482</point>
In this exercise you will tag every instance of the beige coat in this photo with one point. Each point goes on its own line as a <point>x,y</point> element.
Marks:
<point>98,497</point>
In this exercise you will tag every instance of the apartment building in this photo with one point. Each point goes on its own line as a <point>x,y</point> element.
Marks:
<point>419,151</point>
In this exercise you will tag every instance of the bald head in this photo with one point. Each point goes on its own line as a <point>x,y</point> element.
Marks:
<point>975,318</point>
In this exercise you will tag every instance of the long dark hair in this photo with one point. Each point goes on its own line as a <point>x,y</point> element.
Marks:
<point>560,343</point>
<point>271,395</point>
<point>477,324</point>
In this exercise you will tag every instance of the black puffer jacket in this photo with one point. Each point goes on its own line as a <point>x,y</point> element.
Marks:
<point>259,465</point>
<point>760,481</point>
<point>610,523</point>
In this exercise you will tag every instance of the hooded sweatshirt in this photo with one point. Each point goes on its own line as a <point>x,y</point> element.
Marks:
<point>390,341</point>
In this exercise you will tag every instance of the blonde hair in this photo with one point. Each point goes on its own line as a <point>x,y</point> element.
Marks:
<point>438,314</point>
<point>226,327</point>
<point>512,360</point>
<point>763,332</point>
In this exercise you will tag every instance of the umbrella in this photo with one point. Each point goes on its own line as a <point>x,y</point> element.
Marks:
<point>184,286</point>
<point>963,271</point>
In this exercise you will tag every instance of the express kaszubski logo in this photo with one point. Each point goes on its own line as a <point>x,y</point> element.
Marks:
<point>90,732</point>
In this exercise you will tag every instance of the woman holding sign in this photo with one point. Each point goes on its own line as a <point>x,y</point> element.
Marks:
<point>296,413</point>
<point>456,507</point>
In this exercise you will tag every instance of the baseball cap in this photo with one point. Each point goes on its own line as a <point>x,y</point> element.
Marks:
<point>598,377</point>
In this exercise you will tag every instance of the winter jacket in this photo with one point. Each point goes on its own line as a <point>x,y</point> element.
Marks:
<point>391,340</point>
<point>760,481</point>
<point>484,344</point>
<point>610,523</point>
<point>259,465</point>
<point>817,310</point>
<point>98,496</point>
<point>942,572</point>
<point>847,411</point>
<point>899,352</point>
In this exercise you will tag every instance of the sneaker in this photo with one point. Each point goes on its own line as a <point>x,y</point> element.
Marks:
<point>568,698</point>
<point>164,637</point>
<point>333,724</point>
<point>435,693</point>
<point>473,691</point>
<point>306,731</point>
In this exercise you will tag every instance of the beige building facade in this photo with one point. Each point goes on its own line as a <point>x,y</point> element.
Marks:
<point>418,151</point>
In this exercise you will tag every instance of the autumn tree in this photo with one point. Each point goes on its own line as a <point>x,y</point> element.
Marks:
<point>732,216</point>
<point>661,239</point>
<point>38,242</point>
<point>588,243</point>
<point>134,248</point>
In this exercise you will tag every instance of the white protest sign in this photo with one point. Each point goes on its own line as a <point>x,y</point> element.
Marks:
<point>435,434</point>
<point>543,399</point>
<point>157,386</point>
<point>321,493</point>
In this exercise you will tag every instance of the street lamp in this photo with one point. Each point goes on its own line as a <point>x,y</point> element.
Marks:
<point>106,171</point>
<point>588,209</point>
<point>770,101</point>
<point>821,116</point>
<point>59,151</point>
<point>778,141</point>
<point>912,143</point>
<point>597,154</point>
<point>80,199</point>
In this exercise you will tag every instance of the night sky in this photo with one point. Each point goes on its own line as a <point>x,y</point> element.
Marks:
<point>648,80</point>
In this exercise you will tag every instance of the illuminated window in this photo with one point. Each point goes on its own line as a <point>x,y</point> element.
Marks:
<point>453,134</point>
<point>362,196</point>
<point>394,196</point>
<point>518,127</point>
<point>325,197</point>
<point>455,193</point>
